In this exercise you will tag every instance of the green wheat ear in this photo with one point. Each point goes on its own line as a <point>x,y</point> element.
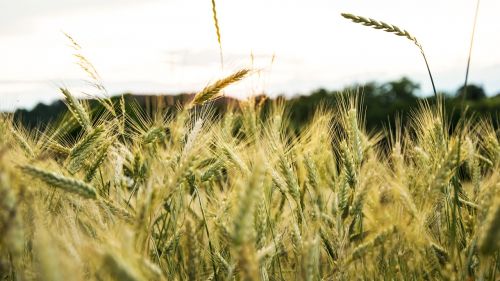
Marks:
<point>65,183</point>
<point>77,109</point>
<point>394,30</point>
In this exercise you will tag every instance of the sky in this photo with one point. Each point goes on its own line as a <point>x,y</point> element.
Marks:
<point>170,46</point>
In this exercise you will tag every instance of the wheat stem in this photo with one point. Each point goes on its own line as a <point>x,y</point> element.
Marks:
<point>395,30</point>
<point>217,31</point>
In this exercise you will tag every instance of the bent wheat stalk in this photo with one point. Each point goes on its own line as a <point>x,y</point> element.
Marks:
<point>395,30</point>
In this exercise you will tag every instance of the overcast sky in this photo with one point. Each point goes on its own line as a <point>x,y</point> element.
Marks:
<point>170,46</point>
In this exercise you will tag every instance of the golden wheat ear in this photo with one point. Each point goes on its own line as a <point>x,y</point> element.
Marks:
<point>394,30</point>
<point>212,92</point>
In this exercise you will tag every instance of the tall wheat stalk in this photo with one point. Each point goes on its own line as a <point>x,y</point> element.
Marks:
<point>95,79</point>
<point>395,30</point>
<point>464,94</point>
<point>217,32</point>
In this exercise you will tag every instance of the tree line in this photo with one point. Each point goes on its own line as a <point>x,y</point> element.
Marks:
<point>381,103</point>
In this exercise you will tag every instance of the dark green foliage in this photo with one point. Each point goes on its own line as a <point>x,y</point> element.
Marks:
<point>383,102</point>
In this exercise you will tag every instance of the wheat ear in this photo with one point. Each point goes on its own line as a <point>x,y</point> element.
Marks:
<point>83,149</point>
<point>92,73</point>
<point>211,92</point>
<point>86,143</point>
<point>395,30</point>
<point>68,184</point>
<point>78,111</point>
<point>25,146</point>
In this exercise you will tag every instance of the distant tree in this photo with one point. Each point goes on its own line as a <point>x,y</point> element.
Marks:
<point>367,90</point>
<point>474,93</point>
<point>321,92</point>
<point>380,103</point>
<point>402,89</point>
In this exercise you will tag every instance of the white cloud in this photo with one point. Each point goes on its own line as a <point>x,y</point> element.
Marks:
<point>170,45</point>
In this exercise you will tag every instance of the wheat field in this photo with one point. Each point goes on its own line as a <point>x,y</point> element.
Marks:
<point>244,195</point>
<point>196,196</point>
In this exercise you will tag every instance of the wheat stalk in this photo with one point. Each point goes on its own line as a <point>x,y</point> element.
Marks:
<point>395,30</point>
<point>99,158</point>
<point>65,183</point>
<point>211,92</point>
<point>123,116</point>
<point>381,25</point>
<point>83,149</point>
<point>92,73</point>
<point>23,143</point>
<point>153,134</point>
<point>86,143</point>
<point>464,94</point>
<point>78,111</point>
<point>217,31</point>
<point>355,136</point>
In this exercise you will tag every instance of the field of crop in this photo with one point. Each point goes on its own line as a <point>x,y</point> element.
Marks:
<point>194,196</point>
<point>118,193</point>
